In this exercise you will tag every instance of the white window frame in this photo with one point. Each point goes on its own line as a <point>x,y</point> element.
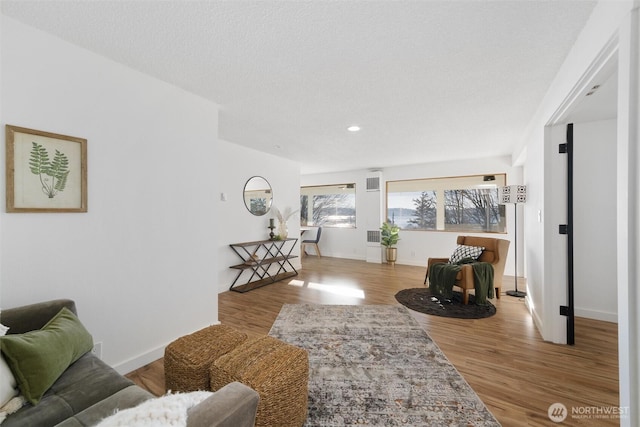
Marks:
<point>489,182</point>
<point>327,190</point>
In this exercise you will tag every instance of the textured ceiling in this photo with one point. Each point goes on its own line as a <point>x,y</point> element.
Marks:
<point>426,80</point>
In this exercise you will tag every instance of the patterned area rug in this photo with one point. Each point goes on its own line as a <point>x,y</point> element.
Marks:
<point>375,365</point>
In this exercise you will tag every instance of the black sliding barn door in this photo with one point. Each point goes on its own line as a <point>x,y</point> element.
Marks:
<point>568,310</point>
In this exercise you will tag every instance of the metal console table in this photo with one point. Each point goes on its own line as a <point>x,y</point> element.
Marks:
<point>265,261</point>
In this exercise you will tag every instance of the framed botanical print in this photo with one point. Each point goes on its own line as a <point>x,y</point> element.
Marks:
<point>45,172</point>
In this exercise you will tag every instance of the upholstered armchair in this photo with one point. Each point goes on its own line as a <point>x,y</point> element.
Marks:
<point>495,253</point>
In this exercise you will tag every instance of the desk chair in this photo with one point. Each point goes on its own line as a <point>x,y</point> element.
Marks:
<point>313,242</point>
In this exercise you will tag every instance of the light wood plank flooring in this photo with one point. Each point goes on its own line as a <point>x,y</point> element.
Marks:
<point>503,357</point>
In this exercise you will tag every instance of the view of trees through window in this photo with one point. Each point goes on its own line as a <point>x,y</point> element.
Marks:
<point>468,203</point>
<point>258,206</point>
<point>328,206</point>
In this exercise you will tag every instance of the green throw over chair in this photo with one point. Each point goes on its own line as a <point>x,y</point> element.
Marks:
<point>495,253</point>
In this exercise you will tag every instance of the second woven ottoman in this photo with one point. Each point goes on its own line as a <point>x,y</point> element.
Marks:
<point>278,371</point>
<point>187,360</point>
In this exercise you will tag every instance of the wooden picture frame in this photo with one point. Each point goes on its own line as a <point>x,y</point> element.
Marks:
<point>45,172</point>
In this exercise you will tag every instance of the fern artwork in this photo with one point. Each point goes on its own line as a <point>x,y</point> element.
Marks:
<point>53,174</point>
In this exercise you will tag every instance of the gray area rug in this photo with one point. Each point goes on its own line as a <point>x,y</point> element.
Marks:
<point>375,365</point>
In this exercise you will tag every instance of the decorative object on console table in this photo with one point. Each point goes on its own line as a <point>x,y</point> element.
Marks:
<point>389,233</point>
<point>514,194</point>
<point>283,217</point>
<point>264,261</point>
<point>271,226</point>
<point>46,172</point>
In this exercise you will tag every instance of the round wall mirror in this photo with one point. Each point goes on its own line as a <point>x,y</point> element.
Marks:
<point>257,195</point>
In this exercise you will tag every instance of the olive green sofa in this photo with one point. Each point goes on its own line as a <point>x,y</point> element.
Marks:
<point>89,390</point>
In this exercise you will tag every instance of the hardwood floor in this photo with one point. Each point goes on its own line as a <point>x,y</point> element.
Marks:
<point>503,358</point>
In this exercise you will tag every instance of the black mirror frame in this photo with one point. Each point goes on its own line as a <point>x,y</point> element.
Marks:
<point>268,199</point>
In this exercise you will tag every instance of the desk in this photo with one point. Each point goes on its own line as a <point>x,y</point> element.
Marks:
<point>260,259</point>
<point>304,229</point>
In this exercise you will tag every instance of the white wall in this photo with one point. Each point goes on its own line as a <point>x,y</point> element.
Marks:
<point>140,262</point>
<point>1,121</point>
<point>415,246</point>
<point>235,165</point>
<point>609,22</point>
<point>628,215</point>
<point>600,29</point>
<point>594,158</point>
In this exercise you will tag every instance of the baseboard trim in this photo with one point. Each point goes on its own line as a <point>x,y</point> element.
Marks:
<point>413,262</point>
<point>534,315</point>
<point>356,257</point>
<point>137,362</point>
<point>596,315</point>
<point>143,359</point>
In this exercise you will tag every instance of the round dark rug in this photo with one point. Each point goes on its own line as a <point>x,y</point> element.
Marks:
<point>421,299</point>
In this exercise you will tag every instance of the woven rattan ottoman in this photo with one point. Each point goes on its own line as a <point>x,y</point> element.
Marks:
<point>279,372</point>
<point>187,360</point>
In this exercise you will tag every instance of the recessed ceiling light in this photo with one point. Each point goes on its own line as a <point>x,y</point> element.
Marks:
<point>354,128</point>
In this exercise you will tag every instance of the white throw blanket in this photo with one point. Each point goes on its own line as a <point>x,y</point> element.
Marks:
<point>166,411</point>
<point>11,406</point>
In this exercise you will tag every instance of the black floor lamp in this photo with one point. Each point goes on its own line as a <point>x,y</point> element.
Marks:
<point>514,194</point>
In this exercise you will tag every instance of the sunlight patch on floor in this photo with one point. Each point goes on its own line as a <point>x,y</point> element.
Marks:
<point>346,291</point>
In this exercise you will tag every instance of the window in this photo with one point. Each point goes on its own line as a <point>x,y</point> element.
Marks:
<point>467,204</point>
<point>328,206</point>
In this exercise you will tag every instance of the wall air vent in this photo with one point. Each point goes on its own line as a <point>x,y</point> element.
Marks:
<point>373,183</point>
<point>373,236</point>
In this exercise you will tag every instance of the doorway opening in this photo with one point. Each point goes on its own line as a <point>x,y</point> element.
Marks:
<point>590,262</point>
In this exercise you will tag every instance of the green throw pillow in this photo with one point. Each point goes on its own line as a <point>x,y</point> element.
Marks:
<point>38,358</point>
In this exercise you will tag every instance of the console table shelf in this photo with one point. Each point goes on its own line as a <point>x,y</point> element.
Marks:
<point>264,261</point>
